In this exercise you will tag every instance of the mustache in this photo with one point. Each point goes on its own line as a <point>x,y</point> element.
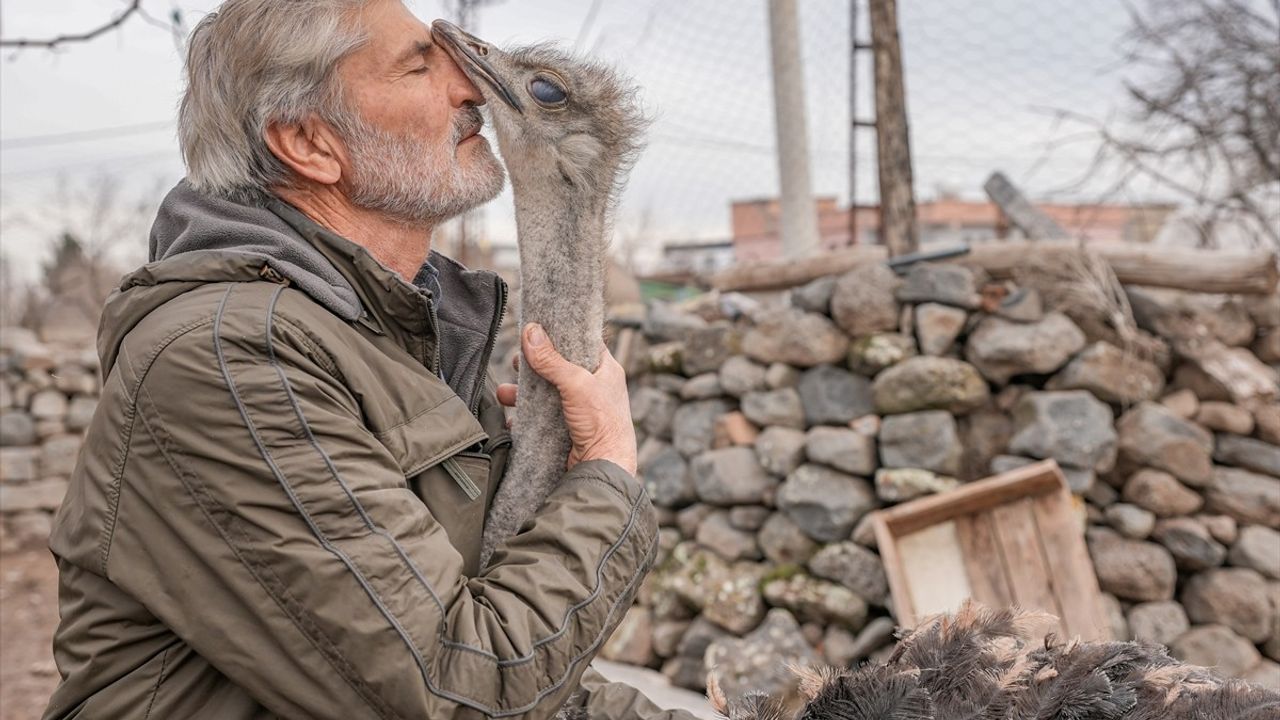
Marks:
<point>468,122</point>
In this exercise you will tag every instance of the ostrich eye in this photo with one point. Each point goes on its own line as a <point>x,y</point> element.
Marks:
<point>547,92</point>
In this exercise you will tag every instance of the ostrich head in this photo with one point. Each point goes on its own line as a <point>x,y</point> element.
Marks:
<point>558,118</point>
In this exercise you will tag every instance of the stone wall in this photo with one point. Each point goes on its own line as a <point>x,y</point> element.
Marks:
<point>47,398</point>
<point>769,433</point>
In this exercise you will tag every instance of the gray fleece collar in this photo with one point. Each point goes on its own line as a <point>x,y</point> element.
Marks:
<point>193,222</point>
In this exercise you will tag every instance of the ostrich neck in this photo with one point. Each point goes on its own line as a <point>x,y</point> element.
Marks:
<point>562,249</point>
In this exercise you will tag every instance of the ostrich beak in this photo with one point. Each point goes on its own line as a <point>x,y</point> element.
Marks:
<point>469,52</point>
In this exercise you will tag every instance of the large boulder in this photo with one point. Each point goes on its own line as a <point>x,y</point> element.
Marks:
<point>1217,648</point>
<point>929,383</point>
<point>1248,497</point>
<point>1131,569</point>
<point>731,476</point>
<point>817,601</point>
<point>854,567</point>
<point>1151,435</point>
<point>706,349</point>
<point>733,600</point>
<point>783,542</point>
<point>17,429</point>
<point>795,337</point>
<point>759,661</point>
<point>873,353</point>
<point>1160,622</point>
<point>1247,453</point>
<point>632,641</point>
<point>815,295</point>
<point>1176,314</point>
<point>1161,493</point>
<point>1190,544</point>
<point>667,479</point>
<point>1001,349</point>
<point>1257,548</point>
<point>936,283</point>
<point>780,407</point>
<point>693,425</point>
<point>833,396</point>
<point>921,440</point>
<point>1111,374</point>
<point>740,375</point>
<point>1072,427</point>
<point>717,535</point>
<point>825,504</point>
<point>938,326</point>
<point>843,449</point>
<point>863,301</point>
<point>1234,597</point>
<point>780,449</point>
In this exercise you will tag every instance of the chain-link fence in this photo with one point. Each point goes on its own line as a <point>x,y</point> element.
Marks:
<point>991,85</point>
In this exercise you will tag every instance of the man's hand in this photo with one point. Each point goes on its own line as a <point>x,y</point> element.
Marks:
<point>596,406</point>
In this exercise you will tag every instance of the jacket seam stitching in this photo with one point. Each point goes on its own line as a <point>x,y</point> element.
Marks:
<point>164,662</point>
<point>328,649</point>
<point>304,336</point>
<point>500,663</point>
<point>107,538</point>
<point>288,489</point>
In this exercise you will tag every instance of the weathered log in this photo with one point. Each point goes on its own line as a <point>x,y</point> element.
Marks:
<point>1217,271</point>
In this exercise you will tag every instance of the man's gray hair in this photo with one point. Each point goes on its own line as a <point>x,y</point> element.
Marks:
<point>253,63</point>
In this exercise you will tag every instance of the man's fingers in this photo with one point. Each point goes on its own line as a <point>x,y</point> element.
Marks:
<point>545,359</point>
<point>507,394</point>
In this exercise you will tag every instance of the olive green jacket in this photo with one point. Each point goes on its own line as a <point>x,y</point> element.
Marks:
<point>279,504</point>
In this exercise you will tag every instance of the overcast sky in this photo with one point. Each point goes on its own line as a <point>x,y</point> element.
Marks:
<point>982,77</point>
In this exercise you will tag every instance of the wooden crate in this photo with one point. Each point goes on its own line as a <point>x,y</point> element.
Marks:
<point>1011,539</point>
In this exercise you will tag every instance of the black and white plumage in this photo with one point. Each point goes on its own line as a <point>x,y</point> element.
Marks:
<point>980,664</point>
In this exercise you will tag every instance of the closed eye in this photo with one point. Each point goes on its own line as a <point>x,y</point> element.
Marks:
<point>419,71</point>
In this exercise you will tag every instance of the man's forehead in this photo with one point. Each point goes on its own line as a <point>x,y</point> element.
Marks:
<point>394,34</point>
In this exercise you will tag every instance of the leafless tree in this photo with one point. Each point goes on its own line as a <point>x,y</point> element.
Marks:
<point>1204,120</point>
<point>131,9</point>
<point>94,232</point>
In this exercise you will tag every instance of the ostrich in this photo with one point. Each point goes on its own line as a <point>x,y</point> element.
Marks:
<point>981,665</point>
<point>569,130</point>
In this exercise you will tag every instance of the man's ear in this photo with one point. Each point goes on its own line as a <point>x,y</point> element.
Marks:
<point>311,148</point>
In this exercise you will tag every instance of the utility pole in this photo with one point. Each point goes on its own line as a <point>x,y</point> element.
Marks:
<point>799,227</point>
<point>897,200</point>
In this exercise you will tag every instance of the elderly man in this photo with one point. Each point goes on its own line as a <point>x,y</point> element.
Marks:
<point>279,506</point>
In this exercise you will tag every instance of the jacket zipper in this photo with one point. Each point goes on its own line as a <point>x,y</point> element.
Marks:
<point>501,297</point>
<point>460,477</point>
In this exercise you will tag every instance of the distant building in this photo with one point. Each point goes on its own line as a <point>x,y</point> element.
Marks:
<point>755,223</point>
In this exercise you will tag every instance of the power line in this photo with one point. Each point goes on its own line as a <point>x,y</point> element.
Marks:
<point>31,141</point>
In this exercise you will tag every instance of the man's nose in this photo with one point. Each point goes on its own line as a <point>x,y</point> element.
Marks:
<point>460,88</point>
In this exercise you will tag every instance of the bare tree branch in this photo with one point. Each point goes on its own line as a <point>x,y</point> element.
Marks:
<point>52,43</point>
<point>1205,111</point>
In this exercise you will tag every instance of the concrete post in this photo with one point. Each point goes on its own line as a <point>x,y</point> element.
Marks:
<point>799,227</point>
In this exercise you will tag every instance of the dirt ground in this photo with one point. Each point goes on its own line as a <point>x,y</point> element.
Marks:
<point>28,617</point>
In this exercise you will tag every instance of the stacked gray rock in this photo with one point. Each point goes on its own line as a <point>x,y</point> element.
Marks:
<point>767,439</point>
<point>47,399</point>
<point>872,389</point>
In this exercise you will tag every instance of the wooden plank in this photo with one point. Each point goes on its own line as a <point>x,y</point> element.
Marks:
<point>934,569</point>
<point>1074,581</point>
<point>973,497</point>
<point>1026,217</point>
<point>899,590</point>
<point>1212,271</point>
<point>1024,560</point>
<point>981,551</point>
